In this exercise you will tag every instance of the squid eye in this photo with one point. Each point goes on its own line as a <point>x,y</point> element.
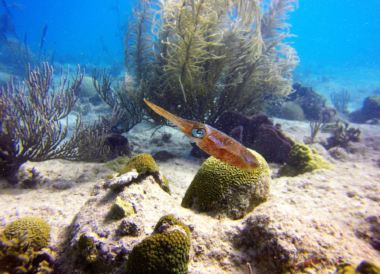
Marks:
<point>198,132</point>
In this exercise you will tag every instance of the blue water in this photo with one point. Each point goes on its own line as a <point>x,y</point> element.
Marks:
<point>337,33</point>
<point>338,42</point>
<point>83,31</point>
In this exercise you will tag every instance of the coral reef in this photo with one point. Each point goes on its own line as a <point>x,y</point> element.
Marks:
<point>291,111</point>
<point>96,142</point>
<point>343,135</point>
<point>221,189</point>
<point>30,119</point>
<point>100,238</point>
<point>23,247</point>
<point>166,251</point>
<point>210,62</point>
<point>311,102</point>
<point>340,100</point>
<point>369,111</point>
<point>122,99</point>
<point>34,231</point>
<point>302,159</point>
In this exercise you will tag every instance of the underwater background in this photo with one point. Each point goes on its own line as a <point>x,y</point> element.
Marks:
<point>337,37</point>
<point>272,165</point>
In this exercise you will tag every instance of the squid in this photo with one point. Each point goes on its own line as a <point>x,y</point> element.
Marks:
<point>211,140</point>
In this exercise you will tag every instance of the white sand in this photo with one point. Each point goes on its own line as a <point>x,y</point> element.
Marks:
<point>324,209</point>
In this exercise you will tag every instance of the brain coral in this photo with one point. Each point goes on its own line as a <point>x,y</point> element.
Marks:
<point>32,230</point>
<point>302,159</point>
<point>166,251</point>
<point>227,190</point>
<point>23,247</point>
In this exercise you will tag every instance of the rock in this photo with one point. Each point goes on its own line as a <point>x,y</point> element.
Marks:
<point>97,243</point>
<point>224,190</point>
<point>291,111</point>
<point>144,164</point>
<point>370,231</point>
<point>86,88</point>
<point>272,144</point>
<point>128,228</point>
<point>120,209</point>
<point>339,153</point>
<point>122,181</point>
<point>95,100</point>
<point>118,145</point>
<point>31,178</point>
<point>311,102</point>
<point>163,155</point>
<point>370,110</point>
<point>62,184</point>
<point>258,133</point>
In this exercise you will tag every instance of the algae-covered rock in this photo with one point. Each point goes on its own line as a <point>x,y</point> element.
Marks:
<point>121,209</point>
<point>144,164</point>
<point>32,230</point>
<point>302,159</point>
<point>227,190</point>
<point>166,251</point>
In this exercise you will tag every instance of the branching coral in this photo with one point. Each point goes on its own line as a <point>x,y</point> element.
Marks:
<point>96,142</point>
<point>341,100</point>
<point>342,135</point>
<point>30,119</point>
<point>126,104</point>
<point>211,56</point>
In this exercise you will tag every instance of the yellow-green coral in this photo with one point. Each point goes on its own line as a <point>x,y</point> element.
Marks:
<point>302,159</point>
<point>120,209</point>
<point>23,247</point>
<point>34,231</point>
<point>87,249</point>
<point>142,163</point>
<point>363,268</point>
<point>345,269</point>
<point>368,268</point>
<point>225,189</point>
<point>166,251</point>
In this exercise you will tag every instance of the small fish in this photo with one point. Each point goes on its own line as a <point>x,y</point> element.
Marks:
<point>211,140</point>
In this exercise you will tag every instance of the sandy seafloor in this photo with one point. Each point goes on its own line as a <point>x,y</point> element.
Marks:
<point>334,202</point>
